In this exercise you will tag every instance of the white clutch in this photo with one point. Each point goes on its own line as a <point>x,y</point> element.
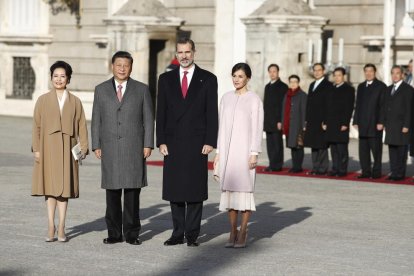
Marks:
<point>76,152</point>
<point>216,171</point>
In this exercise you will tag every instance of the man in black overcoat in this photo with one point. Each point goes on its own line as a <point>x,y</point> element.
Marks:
<point>340,105</point>
<point>187,126</point>
<point>397,122</point>
<point>274,94</point>
<point>369,106</point>
<point>314,136</point>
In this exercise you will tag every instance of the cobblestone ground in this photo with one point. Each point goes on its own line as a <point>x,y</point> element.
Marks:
<point>302,226</point>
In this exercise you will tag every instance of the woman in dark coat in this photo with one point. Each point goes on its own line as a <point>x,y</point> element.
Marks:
<point>340,105</point>
<point>293,118</point>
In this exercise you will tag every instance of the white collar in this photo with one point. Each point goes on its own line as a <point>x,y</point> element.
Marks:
<point>339,85</point>
<point>397,84</point>
<point>190,70</point>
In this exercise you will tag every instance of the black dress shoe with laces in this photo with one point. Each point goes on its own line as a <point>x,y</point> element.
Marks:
<point>172,241</point>
<point>111,240</point>
<point>193,244</point>
<point>136,241</point>
<point>268,169</point>
<point>362,176</point>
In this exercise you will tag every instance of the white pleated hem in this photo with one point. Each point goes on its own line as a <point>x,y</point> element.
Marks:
<point>240,201</point>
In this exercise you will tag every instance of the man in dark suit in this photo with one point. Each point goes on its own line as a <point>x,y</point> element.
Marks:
<point>367,119</point>
<point>274,93</point>
<point>340,105</point>
<point>187,126</point>
<point>315,114</point>
<point>122,138</point>
<point>397,122</point>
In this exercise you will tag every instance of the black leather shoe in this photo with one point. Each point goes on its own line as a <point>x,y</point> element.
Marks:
<point>268,169</point>
<point>362,176</point>
<point>399,178</point>
<point>332,174</point>
<point>376,176</point>
<point>111,240</point>
<point>193,244</point>
<point>390,178</point>
<point>136,241</point>
<point>296,171</point>
<point>311,173</point>
<point>320,173</point>
<point>172,241</point>
<point>341,174</point>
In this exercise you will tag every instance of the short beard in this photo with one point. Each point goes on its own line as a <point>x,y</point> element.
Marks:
<point>189,65</point>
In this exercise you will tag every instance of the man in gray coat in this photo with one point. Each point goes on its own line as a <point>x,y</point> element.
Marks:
<point>122,137</point>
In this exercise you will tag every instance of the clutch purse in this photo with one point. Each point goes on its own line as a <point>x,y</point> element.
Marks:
<point>216,172</point>
<point>300,138</point>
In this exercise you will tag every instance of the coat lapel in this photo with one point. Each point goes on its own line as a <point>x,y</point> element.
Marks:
<point>53,112</point>
<point>68,112</point>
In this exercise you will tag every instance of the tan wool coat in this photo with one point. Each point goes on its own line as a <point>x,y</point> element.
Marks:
<point>57,173</point>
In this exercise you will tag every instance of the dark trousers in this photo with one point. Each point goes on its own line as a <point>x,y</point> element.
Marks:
<point>368,145</point>
<point>129,218</point>
<point>274,142</point>
<point>320,160</point>
<point>398,160</point>
<point>340,157</point>
<point>297,158</point>
<point>186,218</point>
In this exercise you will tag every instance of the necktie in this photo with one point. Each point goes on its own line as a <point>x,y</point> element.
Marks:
<point>184,84</point>
<point>119,93</point>
<point>393,90</point>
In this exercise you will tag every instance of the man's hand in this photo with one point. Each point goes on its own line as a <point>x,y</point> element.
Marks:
<point>380,127</point>
<point>405,130</point>
<point>279,126</point>
<point>252,161</point>
<point>36,155</point>
<point>147,152</point>
<point>324,126</point>
<point>98,153</point>
<point>343,128</point>
<point>206,149</point>
<point>164,149</point>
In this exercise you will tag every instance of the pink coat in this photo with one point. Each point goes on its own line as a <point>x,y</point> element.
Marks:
<point>240,135</point>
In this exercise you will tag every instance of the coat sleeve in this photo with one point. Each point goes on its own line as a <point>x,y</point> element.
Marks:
<point>350,107</point>
<point>36,127</point>
<point>220,131</point>
<point>148,119</point>
<point>161,111</point>
<point>83,131</point>
<point>382,105</point>
<point>303,103</point>
<point>407,103</point>
<point>356,119</point>
<point>96,122</point>
<point>212,114</point>
<point>256,127</point>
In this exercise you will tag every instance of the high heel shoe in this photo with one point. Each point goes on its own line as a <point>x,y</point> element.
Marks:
<point>231,242</point>
<point>63,239</point>
<point>51,239</point>
<point>241,245</point>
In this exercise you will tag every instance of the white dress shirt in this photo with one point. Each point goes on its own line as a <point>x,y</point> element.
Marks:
<point>124,84</point>
<point>397,84</point>
<point>189,74</point>
<point>317,82</point>
<point>369,82</point>
<point>62,101</point>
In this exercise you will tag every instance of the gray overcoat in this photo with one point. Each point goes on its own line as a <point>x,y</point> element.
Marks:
<point>122,130</point>
<point>297,117</point>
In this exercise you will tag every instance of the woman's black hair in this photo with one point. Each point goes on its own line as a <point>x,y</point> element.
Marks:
<point>244,67</point>
<point>64,65</point>
<point>294,77</point>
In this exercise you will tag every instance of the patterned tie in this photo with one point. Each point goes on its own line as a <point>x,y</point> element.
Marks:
<point>393,90</point>
<point>119,93</point>
<point>184,84</point>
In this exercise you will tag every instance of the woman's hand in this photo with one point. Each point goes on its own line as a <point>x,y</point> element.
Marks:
<point>36,155</point>
<point>216,159</point>
<point>252,161</point>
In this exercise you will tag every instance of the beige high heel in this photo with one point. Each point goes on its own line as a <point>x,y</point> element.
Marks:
<point>241,245</point>
<point>64,239</point>
<point>51,239</point>
<point>231,243</point>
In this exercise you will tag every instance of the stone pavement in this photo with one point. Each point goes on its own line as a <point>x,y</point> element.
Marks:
<point>302,226</point>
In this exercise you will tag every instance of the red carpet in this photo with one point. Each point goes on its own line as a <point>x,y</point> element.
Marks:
<point>350,177</point>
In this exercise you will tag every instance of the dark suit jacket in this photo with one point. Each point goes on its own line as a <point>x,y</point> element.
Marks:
<point>316,114</point>
<point>369,107</point>
<point>397,114</point>
<point>340,105</point>
<point>185,125</point>
<point>273,105</point>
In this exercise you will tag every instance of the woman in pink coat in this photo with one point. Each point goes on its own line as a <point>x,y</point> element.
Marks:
<point>239,143</point>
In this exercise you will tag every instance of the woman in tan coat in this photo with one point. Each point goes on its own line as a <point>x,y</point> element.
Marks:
<point>58,125</point>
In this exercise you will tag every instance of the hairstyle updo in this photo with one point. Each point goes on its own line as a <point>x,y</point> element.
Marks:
<point>64,65</point>
<point>244,67</point>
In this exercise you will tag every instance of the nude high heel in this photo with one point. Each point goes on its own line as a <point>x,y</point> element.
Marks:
<point>51,239</point>
<point>231,243</point>
<point>241,245</point>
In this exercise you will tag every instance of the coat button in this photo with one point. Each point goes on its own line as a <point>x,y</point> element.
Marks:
<point>119,123</point>
<point>119,109</point>
<point>119,137</point>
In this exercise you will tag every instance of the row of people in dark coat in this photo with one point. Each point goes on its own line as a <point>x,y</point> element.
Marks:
<point>321,120</point>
